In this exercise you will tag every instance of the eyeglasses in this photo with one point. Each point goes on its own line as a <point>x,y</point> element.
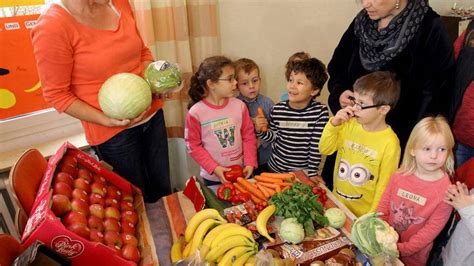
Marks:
<point>247,82</point>
<point>229,79</point>
<point>361,106</point>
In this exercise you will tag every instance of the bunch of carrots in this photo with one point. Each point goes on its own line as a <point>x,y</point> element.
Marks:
<point>265,185</point>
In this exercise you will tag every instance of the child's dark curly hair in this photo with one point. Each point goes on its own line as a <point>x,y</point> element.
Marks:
<point>314,70</point>
<point>292,60</point>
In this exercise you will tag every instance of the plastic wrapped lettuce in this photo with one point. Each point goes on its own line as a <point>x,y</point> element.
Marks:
<point>374,237</point>
<point>163,76</point>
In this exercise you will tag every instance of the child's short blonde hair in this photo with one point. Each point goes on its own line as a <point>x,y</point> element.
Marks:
<point>424,131</point>
<point>246,65</point>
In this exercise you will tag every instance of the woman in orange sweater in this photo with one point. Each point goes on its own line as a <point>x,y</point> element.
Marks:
<point>78,44</point>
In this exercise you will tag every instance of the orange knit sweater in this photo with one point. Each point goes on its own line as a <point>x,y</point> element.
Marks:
<point>75,60</point>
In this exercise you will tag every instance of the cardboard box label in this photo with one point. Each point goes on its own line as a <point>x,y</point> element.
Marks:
<point>36,217</point>
<point>64,245</point>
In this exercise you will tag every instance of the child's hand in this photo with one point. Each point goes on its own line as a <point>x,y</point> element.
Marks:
<point>343,116</point>
<point>458,196</point>
<point>219,172</point>
<point>260,123</point>
<point>344,100</point>
<point>248,170</point>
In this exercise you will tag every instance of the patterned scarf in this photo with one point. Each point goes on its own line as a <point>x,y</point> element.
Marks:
<point>379,47</point>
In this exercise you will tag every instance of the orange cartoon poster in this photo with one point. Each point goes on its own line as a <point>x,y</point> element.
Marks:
<point>20,89</point>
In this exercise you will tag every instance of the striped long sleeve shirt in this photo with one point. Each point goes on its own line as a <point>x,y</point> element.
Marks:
<point>295,137</point>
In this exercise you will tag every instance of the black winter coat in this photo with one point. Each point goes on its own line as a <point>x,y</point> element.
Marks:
<point>425,70</point>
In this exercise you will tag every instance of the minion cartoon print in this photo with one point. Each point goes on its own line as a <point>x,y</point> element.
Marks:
<point>356,175</point>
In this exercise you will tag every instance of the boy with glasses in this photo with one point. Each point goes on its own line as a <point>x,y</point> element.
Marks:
<point>368,151</point>
<point>248,84</point>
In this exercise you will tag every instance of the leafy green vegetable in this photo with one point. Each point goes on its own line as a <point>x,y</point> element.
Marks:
<point>299,202</point>
<point>291,231</point>
<point>336,217</point>
<point>124,96</point>
<point>163,76</point>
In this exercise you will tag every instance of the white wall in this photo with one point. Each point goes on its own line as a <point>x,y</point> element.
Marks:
<point>269,31</point>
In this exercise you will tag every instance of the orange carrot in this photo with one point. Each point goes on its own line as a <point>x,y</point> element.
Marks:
<point>240,188</point>
<point>285,184</point>
<point>278,189</point>
<point>269,185</point>
<point>248,186</point>
<point>285,188</point>
<point>255,199</point>
<point>267,179</point>
<point>280,176</point>
<point>264,191</point>
<point>261,114</point>
<point>270,191</point>
<point>253,185</point>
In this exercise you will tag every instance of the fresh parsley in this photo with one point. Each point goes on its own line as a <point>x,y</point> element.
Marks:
<point>300,202</point>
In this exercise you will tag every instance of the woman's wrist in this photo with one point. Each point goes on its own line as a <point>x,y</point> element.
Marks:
<point>105,120</point>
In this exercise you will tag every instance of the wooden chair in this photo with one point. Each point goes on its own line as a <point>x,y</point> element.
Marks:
<point>25,177</point>
<point>10,249</point>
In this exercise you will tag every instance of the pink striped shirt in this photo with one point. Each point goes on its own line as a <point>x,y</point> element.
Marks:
<point>220,136</point>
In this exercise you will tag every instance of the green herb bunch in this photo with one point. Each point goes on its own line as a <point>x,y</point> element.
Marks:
<point>299,202</point>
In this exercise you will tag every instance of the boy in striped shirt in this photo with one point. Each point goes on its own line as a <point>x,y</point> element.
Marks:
<point>296,124</point>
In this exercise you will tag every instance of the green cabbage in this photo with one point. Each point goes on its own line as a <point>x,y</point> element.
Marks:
<point>163,76</point>
<point>124,96</point>
<point>291,231</point>
<point>336,217</point>
<point>373,236</point>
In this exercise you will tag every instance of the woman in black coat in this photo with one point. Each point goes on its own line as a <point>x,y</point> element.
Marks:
<point>403,36</point>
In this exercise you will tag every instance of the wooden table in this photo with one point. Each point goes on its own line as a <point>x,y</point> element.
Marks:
<point>168,218</point>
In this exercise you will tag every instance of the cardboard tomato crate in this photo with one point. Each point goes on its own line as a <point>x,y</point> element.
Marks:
<point>43,225</point>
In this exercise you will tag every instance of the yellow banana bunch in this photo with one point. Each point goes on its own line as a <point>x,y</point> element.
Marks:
<point>176,253</point>
<point>240,230</point>
<point>201,232</point>
<point>227,244</point>
<point>247,259</point>
<point>186,250</point>
<point>219,242</point>
<point>233,255</point>
<point>216,231</point>
<point>198,218</point>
